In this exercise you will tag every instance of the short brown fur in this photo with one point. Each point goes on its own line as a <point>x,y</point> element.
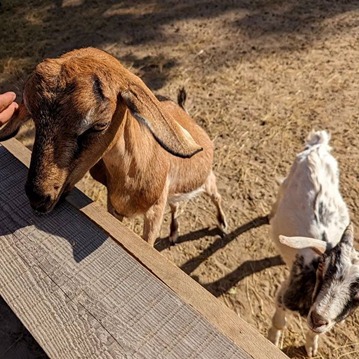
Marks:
<point>93,114</point>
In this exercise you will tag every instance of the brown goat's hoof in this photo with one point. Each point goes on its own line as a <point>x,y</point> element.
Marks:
<point>173,239</point>
<point>222,225</point>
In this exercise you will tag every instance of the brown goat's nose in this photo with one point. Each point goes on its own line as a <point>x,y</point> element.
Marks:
<point>317,319</point>
<point>39,200</point>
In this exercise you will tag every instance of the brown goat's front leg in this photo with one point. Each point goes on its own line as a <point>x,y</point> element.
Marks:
<point>112,210</point>
<point>153,219</point>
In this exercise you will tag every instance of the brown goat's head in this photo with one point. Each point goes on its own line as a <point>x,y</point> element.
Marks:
<point>78,102</point>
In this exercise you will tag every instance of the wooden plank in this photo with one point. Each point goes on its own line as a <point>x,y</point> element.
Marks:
<point>82,295</point>
<point>189,291</point>
<point>20,284</point>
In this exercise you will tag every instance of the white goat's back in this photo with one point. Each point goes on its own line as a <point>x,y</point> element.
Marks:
<point>309,202</point>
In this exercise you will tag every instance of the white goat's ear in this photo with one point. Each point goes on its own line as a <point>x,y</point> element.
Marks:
<point>11,128</point>
<point>166,130</point>
<point>316,245</point>
<point>348,236</point>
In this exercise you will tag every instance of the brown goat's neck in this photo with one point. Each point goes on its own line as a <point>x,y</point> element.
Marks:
<point>135,175</point>
<point>132,140</point>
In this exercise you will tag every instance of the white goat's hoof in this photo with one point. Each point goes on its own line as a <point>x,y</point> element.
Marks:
<point>274,336</point>
<point>311,343</point>
<point>311,350</point>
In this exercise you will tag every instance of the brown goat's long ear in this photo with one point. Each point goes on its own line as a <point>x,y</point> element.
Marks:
<point>168,133</point>
<point>10,129</point>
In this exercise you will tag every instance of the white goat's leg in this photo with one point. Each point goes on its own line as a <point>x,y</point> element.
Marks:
<point>153,219</point>
<point>279,322</point>
<point>279,319</point>
<point>210,188</point>
<point>174,223</point>
<point>311,343</point>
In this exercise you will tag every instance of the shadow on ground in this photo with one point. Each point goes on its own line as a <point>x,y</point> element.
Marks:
<point>49,28</point>
<point>247,268</point>
<point>15,340</point>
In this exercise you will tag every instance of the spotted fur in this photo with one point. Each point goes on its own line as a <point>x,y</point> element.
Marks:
<point>322,287</point>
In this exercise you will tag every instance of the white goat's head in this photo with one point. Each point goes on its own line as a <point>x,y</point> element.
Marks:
<point>78,102</point>
<point>336,290</point>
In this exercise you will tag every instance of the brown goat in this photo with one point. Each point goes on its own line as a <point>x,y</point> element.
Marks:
<point>91,113</point>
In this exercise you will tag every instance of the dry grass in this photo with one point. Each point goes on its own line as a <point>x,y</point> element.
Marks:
<point>260,75</point>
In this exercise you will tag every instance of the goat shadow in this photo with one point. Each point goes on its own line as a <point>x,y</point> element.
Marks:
<point>247,268</point>
<point>295,352</point>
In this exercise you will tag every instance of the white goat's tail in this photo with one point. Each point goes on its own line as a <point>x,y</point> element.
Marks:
<point>317,138</point>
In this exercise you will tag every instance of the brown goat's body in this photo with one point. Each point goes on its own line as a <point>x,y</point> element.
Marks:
<point>183,178</point>
<point>91,113</point>
<point>138,168</point>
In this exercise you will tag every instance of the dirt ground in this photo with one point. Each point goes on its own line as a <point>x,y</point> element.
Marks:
<point>259,75</point>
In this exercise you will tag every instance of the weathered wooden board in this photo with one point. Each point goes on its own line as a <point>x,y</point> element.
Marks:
<point>82,295</point>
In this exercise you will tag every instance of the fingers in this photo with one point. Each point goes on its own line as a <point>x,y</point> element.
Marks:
<point>8,112</point>
<point>7,106</point>
<point>6,100</point>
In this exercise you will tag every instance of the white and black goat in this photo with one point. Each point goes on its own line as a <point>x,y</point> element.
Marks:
<point>311,226</point>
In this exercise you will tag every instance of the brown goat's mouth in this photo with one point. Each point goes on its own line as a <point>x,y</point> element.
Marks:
<point>46,209</point>
<point>46,204</point>
<point>43,209</point>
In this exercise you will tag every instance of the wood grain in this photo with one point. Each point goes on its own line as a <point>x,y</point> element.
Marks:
<point>145,304</point>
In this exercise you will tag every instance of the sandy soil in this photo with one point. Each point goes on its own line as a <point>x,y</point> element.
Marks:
<point>259,75</point>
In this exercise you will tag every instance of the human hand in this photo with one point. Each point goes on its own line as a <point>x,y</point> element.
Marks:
<point>7,106</point>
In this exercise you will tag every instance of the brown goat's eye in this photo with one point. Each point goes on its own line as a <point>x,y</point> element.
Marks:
<point>100,126</point>
<point>97,128</point>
